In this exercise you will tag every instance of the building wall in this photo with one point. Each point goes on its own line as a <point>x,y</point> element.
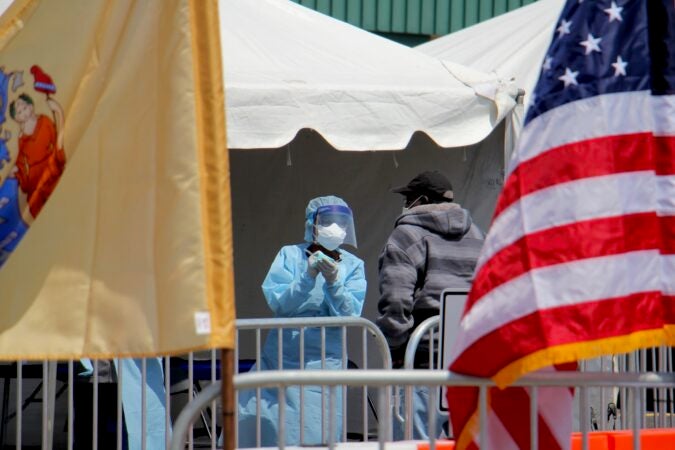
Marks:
<point>412,22</point>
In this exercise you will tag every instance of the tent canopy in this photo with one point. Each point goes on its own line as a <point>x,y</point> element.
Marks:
<point>287,67</point>
<point>511,45</point>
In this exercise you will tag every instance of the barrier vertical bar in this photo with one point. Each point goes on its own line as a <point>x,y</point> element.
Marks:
<point>384,415</point>
<point>120,385</point>
<point>668,399</point>
<point>344,388</point>
<point>603,399</point>
<point>408,434</point>
<point>483,417</point>
<point>431,407</point>
<point>323,388</point>
<point>94,420</point>
<point>632,367</point>
<point>45,404</point>
<point>144,401</point>
<point>167,401</point>
<point>387,405</point>
<point>213,434</point>
<point>623,393</point>
<point>302,388</point>
<point>643,391</point>
<point>332,419</point>
<point>282,398</point>
<point>364,390</point>
<point>19,401</point>
<point>534,417</point>
<point>636,418</point>
<point>281,441</point>
<point>70,405</point>
<point>661,362</point>
<point>236,391</point>
<point>655,354</point>
<point>51,402</point>
<point>280,346</point>
<point>191,380</point>
<point>396,415</point>
<point>258,392</point>
<point>615,393</point>
<point>227,392</point>
<point>432,348</point>
<point>584,417</point>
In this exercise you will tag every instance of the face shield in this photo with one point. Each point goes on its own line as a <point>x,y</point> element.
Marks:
<point>333,226</point>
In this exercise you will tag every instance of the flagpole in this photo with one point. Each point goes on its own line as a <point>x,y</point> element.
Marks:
<point>227,393</point>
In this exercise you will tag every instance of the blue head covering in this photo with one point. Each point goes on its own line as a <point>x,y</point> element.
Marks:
<point>312,206</point>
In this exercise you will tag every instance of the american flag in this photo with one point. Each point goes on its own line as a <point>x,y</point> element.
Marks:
<point>580,258</point>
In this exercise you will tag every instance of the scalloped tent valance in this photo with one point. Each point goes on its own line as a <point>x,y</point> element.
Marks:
<point>287,67</point>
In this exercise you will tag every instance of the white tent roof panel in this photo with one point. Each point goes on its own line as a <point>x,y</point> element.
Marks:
<point>511,45</point>
<point>287,67</point>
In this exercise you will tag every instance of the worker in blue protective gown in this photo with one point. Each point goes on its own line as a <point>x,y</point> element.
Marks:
<point>129,372</point>
<point>313,279</point>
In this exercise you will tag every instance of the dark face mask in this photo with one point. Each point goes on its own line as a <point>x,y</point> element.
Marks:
<point>411,202</point>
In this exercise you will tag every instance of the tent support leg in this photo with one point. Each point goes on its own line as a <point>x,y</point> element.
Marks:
<point>227,392</point>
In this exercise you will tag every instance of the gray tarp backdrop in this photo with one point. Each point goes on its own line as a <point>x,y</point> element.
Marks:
<point>271,188</point>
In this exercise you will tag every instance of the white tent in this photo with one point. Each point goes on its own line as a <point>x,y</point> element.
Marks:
<point>511,45</point>
<point>287,69</point>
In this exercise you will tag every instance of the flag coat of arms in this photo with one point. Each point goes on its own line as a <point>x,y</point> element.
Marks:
<point>580,257</point>
<point>115,235</point>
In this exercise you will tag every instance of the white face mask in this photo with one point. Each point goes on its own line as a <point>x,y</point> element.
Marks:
<point>330,237</point>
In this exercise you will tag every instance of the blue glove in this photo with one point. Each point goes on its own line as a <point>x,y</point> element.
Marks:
<point>312,261</point>
<point>328,268</point>
<point>312,271</point>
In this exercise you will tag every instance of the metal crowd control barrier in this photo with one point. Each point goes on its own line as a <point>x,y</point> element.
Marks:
<point>429,327</point>
<point>65,420</point>
<point>42,378</point>
<point>384,379</point>
<point>658,405</point>
<point>302,324</point>
<point>52,386</point>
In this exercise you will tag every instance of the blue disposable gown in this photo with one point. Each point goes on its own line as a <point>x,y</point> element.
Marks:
<point>290,292</point>
<point>155,403</point>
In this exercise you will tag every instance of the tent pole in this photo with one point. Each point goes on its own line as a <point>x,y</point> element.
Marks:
<point>514,124</point>
<point>227,392</point>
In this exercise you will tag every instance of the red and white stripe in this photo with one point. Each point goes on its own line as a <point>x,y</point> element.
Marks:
<point>580,210</point>
<point>508,418</point>
<point>581,248</point>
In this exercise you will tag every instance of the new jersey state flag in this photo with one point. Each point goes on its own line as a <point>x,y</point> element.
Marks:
<point>115,231</point>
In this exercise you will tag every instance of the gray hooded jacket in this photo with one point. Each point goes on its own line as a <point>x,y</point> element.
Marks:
<point>433,247</point>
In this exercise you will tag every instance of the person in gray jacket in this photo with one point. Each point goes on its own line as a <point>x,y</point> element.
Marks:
<point>434,246</point>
